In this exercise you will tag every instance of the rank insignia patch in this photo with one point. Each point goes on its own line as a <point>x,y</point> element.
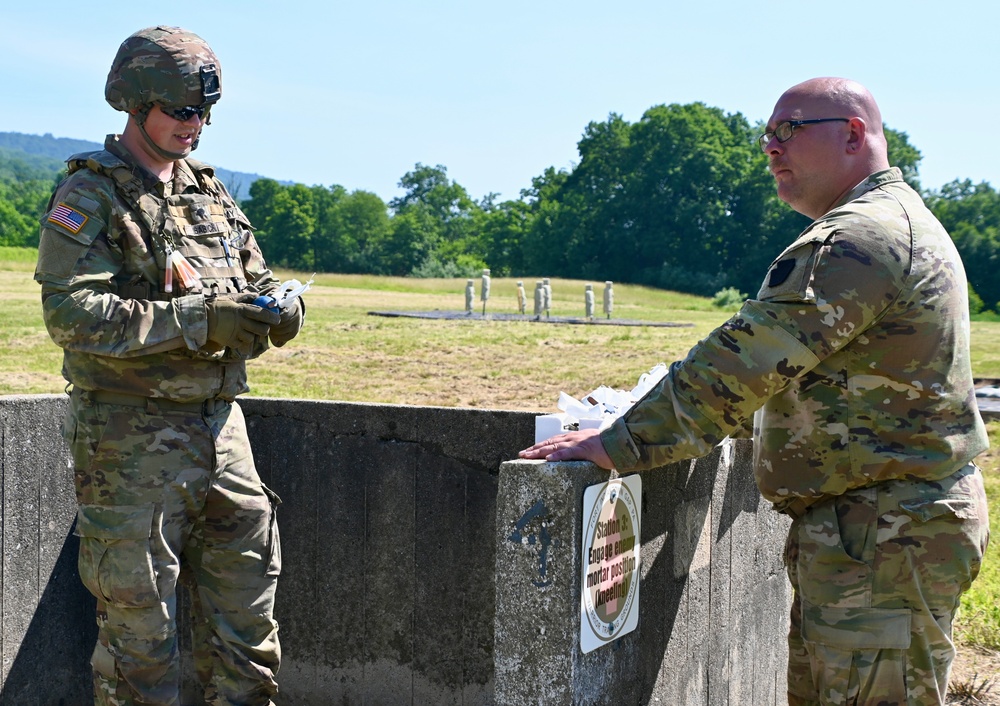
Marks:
<point>68,218</point>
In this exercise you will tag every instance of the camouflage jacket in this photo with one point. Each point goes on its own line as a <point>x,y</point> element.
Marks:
<point>854,355</point>
<point>102,265</point>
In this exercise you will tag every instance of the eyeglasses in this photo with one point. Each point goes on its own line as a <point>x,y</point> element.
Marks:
<point>784,130</point>
<point>186,112</point>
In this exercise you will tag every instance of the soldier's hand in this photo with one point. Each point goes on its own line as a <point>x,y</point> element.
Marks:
<point>291,321</point>
<point>583,445</point>
<point>234,322</point>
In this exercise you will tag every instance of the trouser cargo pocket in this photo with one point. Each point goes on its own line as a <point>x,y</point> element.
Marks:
<point>115,561</point>
<point>856,628</point>
<point>273,566</point>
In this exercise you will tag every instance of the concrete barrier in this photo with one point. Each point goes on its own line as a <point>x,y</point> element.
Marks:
<point>713,598</point>
<point>390,590</point>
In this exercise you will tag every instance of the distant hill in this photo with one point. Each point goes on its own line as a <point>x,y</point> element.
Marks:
<point>25,156</point>
<point>46,145</point>
<point>16,165</point>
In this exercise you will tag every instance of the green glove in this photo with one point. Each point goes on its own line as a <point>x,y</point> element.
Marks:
<point>291,321</point>
<point>234,322</point>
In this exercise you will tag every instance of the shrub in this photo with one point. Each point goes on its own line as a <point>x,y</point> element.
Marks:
<point>462,266</point>
<point>975,301</point>
<point>729,298</point>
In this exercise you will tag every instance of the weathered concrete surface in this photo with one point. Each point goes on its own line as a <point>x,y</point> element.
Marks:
<point>389,534</point>
<point>48,630</point>
<point>713,600</point>
<point>386,594</point>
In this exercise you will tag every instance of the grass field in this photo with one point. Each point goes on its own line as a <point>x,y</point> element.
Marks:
<point>346,354</point>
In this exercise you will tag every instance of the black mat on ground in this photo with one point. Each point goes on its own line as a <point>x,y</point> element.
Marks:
<point>461,315</point>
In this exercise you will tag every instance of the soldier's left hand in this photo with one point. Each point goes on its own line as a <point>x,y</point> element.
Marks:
<point>288,327</point>
<point>583,445</point>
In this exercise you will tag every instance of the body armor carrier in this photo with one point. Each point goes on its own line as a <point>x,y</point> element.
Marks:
<point>206,229</point>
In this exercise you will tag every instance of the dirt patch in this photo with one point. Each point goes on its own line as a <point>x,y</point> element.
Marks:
<point>975,677</point>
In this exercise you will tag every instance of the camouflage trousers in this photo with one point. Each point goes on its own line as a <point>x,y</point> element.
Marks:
<point>877,576</point>
<point>158,489</point>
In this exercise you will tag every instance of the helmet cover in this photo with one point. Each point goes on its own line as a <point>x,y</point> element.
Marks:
<point>168,66</point>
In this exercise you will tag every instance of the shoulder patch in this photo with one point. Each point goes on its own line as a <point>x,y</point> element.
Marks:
<point>87,204</point>
<point>68,217</point>
<point>779,273</point>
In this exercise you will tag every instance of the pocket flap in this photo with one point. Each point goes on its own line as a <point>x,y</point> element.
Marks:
<point>963,507</point>
<point>856,628</point>
<point>114,521</point>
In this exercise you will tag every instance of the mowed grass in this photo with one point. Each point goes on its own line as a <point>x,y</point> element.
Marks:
<point>979,619</point>
<point>346,354</point>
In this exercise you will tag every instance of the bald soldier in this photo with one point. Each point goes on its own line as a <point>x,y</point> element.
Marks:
<point>853,359</point>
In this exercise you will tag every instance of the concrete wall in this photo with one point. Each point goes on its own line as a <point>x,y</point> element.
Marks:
<point>713,596</point>
<point>47,631</point>
<point>390,531</point>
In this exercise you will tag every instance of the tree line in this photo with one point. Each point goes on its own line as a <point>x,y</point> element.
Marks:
<point>680,199</point>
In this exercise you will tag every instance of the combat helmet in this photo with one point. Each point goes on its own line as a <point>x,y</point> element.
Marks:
<point>166,66</point>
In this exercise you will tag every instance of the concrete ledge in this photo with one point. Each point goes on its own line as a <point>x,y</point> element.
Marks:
<point>714,599</point>
<point>391,541</point>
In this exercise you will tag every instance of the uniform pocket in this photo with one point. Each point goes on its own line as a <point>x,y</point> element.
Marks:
<point>83,429</point>
<point>273,537</point>
<point>856,628</point>
<point>826,573</point>
<point>115,561</point>
<point>957,522</point>
<point>962,507</point>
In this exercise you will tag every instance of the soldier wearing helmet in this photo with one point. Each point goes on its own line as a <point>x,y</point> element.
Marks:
<point>169,69</point>
<point>149,270</point>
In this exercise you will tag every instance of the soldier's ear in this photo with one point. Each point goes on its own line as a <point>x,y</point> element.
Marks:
<point>856,136</point>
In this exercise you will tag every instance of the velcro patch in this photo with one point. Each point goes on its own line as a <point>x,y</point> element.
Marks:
<point>67,217</point>
<point>779,273</point>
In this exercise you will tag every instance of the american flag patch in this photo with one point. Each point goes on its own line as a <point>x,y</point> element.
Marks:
<point>68,218</point>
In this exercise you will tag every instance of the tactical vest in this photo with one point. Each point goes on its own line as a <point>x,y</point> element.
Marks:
<point>207,229</point>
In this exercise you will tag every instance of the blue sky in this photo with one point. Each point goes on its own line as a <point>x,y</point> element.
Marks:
<point>356,94</point>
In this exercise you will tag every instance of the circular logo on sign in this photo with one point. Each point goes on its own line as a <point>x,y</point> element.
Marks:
<point>610,584</point>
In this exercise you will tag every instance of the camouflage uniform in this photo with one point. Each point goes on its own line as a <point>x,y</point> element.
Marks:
<point>163,467</point>
<point>855,357</point>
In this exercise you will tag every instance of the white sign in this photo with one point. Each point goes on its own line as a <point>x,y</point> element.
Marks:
<point>609,604</point>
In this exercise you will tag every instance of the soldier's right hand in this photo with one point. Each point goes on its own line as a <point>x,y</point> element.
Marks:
<point>234,322</point>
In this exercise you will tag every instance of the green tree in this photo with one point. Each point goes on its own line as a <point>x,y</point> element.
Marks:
<point>503,232</point>
<point>263,193</point>
<point>361,221</point>
<point>700,180</point>
<point>447,213</point>
<point>14,227</point>
<point>326,238</point>
<point>22,204</point>
<point>285,219</point>
<point>903,155</point>
<point>540,249</point>
<point>411,241</point>
<point>593,229</point>
<point>971,214</point>
<point>680,199</point>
